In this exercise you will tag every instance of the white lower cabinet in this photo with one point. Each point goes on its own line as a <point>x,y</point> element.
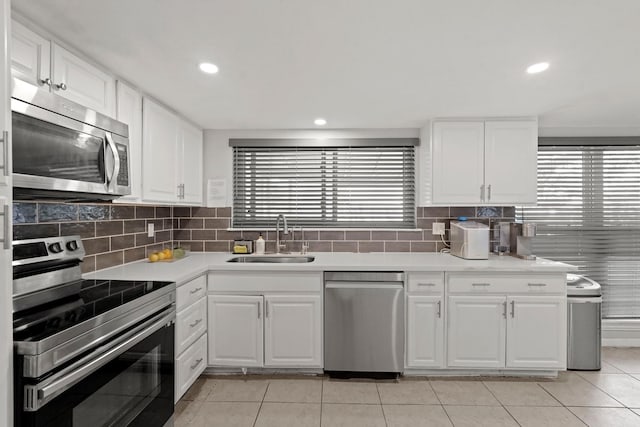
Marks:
<point>190,334</point>
<point>293,330</point>
<point>265,331</point>
<point>235,330</point>
<point>425,331</point>
<point>536,332</point>
<point>476,331</point>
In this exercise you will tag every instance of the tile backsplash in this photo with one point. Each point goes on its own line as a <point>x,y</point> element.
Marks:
<point>114,234</point>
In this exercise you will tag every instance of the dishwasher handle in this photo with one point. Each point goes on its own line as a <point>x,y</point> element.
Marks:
<point>363,285</point>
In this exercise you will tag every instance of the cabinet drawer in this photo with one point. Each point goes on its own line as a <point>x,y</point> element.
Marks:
<point>506,283</point>
<point>265,281</point>
<point>190,365</point>
<point>429,283</point>
<point>190,324</point>
<point>191,292</point>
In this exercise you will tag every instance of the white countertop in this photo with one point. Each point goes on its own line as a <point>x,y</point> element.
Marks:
<point>198,263</point>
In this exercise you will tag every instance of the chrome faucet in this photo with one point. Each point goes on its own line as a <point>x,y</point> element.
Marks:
<point>280,247</point>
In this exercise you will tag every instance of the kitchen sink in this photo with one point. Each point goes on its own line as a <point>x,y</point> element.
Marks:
<point>273,259</point>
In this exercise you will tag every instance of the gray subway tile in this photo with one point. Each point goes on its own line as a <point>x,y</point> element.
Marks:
<point>216,223</point>
<point>365,247</point>
<point>25,213</point>
<point>181,211</point>
<point>34,231</point>
<point>410,235</point>
<point>134,254</point>
<point>223,212</point>
<point>345,246</point>
<point>123,212</point>
<point>200,212</point>
<point>124,241</point>
<point>110,259</point>
<point>135,226</point>
<point>96,246</point>
<point>331,235</point>
<point>397,247</point>
<point>435,212</point>
<point>217,246</point>
<point>86,230</point>
<point>163,211</point>
<point>358,235</point>
<point>88,264</point>
<point>145,212</point>
<point>384,235</point>
<point>109,228</point>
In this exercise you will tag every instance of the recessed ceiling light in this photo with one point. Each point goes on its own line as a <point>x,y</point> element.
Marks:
<point>320,122</point>
<point>207,67</point>
<point>537,68</point>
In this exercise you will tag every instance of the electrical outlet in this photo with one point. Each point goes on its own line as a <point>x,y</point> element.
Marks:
<point>150,230</point>
<point>437,228</point>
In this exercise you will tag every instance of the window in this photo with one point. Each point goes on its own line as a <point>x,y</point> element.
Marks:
<point>588,214</point>
<point>342,183</point>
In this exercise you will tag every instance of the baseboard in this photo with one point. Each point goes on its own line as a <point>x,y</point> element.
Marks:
<point>621,332</point>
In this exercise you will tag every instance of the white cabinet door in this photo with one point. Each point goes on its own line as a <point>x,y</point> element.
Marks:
<point>129,111</point>
<point>159,153</point>
<point>81,82</point>
<point>293,331</point>
<point>476,331</point>
<point>30,55</point>
<point>235,330</point>
<point>425,331</point>
<point>511,149</point>
<point>536,332</point>
<point>458,162</point>
<point>190,150</point>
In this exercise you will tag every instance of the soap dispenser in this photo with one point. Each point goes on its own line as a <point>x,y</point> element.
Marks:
<point>260,245</point>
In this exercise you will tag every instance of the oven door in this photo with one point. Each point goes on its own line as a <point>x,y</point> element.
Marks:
<point>132,387</point>
<point>54,152</point>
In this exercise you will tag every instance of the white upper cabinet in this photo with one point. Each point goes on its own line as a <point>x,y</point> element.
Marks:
<point>172,157</point>
<point>129,111</point>
<point>30,55</point>
<point>190,150</point>
<point>81,82</point>
<point>458,161</point>
<point>484,162</point>
<point>43,63</point>
<point>511,151</point>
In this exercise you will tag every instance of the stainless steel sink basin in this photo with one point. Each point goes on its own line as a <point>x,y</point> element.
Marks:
<point>273,259</point>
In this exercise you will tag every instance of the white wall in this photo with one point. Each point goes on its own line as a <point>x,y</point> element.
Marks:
<point>218,156</point>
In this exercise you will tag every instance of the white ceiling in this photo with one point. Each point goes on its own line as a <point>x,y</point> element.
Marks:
<point>365,63</point>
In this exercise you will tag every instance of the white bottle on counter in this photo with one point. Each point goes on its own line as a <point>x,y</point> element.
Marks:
<point>260,245</point>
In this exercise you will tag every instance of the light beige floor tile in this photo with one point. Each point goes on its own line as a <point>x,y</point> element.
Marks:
<point>463,393</point>
<point>607,417</point>
<point>625,359</point>
<point>184,412</point>
<point>199,390</point>
<point>407,393</point>
<point>573,390</point>
<point>538,416</point>
<point>289,415</point>
<point>349,392</point>
<point>606,368</point>
<point>416,416</point>
<point>480,416</point>
<point>226,414</point>
<point>624,388</point>
<point>301,391</point>
<point>517,393</point>
<point>345,415</point>
<point>637,411</point>
<point>238,390</point>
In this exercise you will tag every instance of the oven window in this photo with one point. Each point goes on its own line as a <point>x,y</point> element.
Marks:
<point>126,395</point>
<point>44,149</point>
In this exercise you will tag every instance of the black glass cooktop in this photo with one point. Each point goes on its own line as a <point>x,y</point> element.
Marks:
<point>93,297</point>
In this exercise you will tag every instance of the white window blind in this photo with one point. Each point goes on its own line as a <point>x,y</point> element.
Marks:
<point>588,214</point>
<point>352,186</point>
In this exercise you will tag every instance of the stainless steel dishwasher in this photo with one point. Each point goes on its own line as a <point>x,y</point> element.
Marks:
<point>363,323</point>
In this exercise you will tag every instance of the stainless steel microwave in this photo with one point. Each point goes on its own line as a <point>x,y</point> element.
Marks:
<point>63,150</point>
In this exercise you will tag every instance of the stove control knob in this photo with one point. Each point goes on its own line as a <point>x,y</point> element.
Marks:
<point>72,245</point>
<point>55,248</point>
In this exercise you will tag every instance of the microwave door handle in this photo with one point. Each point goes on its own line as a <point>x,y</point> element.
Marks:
<point>116,164</point>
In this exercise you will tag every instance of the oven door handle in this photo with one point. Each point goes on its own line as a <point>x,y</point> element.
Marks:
<point>38,395</point>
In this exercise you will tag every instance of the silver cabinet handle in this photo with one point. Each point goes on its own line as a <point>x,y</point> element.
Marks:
<point>179,193</point>
<point>266,309</point>
<point>46,81</point>
<point>439,309</point>
<point>482,193</point>
<point>194,324</point>
<point>6,242</point>
<point>489,193</point>
<point>481,284</point>
<point>513,309</point>
<point>537,285</point>
<point>193,291</point>
<point>195,365</point>
<point>259,314</point>
<point>61,86</point>
<point>426,284</point>
<point>504,309</point>
<point>5,153</point>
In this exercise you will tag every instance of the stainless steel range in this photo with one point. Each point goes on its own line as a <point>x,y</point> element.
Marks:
<point>88,352</point>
